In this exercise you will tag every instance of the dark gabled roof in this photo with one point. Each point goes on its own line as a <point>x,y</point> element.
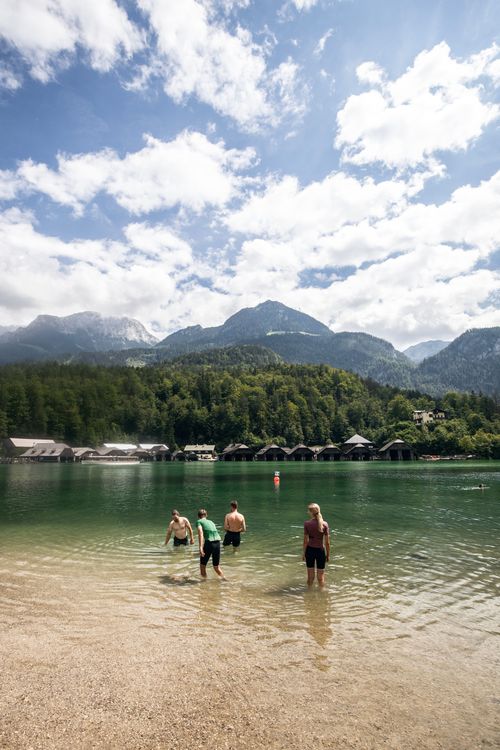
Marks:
<point>358,445</point>
<point>328,446</point>
<point>271,446</point>
<point>233,447</point>
<point>298,447</point>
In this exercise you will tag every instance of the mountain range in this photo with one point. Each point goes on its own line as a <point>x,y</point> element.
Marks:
<point>51,337</point>
<point>261,335</point>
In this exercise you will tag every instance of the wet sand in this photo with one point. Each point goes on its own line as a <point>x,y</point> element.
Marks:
<point>121,678</point>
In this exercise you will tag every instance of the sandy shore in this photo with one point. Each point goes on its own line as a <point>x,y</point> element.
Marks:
<point>123,680</point>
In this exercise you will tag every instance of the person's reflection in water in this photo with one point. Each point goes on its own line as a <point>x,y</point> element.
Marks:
<point>318,623</point>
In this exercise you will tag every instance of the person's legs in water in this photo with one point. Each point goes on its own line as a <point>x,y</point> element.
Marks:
<point>320,570</point>
<point>207,548</point>
<point>216,559</point>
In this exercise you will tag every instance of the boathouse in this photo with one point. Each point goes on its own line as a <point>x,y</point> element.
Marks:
<point>271,453</point>
<point>397,450</point>
<point>178,455</point>
<point>358,448</point>
<point>51,453</point>
<point>153,452</point>
<point>300,453</point>
<point>13,446</point>
<point>329,452</point>
<point>105,450</point>
<point>237,452</point>
<point>81,453</point>
<point>202,451</point>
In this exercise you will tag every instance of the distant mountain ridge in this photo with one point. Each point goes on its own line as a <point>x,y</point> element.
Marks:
<point>424,349</point>
<point>50,336</point>
<point>267,319</point>
<point>255,337</point>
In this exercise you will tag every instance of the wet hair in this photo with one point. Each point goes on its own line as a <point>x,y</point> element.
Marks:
<point>175,512</point>
<point>202,513</point>
<point>316,511</point>
<point>234,504</point>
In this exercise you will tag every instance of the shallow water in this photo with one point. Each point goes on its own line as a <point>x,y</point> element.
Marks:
<point>415,548</point>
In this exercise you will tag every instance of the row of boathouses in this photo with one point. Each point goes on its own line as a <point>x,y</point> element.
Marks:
<point>356,448</point>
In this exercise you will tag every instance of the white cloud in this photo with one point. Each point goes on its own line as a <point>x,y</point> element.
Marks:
<point>286,210</point>
<point>47,33</point>
<point>304,4</point>
<point>320,47</point>
<point>43,274</point>
<point>159,242</point>
<point>436,105</point>
<point>190,171</point>
<point>10,184</point>
<point>370,73</point>
<point>199,57</point>
<point>9,79</point>
<point>424,257</point>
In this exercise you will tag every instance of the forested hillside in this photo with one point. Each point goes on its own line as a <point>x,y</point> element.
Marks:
<point>288,404</point>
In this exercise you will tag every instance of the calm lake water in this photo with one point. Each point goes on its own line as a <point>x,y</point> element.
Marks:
<point>414,547</point>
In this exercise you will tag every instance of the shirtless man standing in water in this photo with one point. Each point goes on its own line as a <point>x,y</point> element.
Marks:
<point>180,527</point>
<point>234,525</point>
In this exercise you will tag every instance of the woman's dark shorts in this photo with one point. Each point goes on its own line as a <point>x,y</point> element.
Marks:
<point>232,537</point>
<point>315,555</point>
<point>212,549</point>
<point>180,542</point>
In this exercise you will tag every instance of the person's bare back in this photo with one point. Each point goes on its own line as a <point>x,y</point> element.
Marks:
<point>234,525</point>
<point>234,521</point>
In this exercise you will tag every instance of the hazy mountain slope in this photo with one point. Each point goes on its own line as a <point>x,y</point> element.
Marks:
<point>424,349</point>
<point>470,363</point>
<point>366,355</point>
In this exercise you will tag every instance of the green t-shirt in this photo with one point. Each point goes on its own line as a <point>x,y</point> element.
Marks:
<point>209,530</point>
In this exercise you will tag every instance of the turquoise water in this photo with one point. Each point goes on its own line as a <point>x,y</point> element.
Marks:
<point>412,546</point>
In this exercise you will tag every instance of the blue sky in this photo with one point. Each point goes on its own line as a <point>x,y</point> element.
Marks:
<point>177,161</point>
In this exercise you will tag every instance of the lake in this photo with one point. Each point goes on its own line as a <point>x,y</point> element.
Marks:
<point>414,556</point>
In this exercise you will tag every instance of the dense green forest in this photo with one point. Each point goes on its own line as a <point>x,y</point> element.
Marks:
<point>178,404</point>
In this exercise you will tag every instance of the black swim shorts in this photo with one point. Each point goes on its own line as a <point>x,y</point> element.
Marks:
<point>232,537</point>
<point>315,555</point>
<point>212,549</point>
<point>180,542</point>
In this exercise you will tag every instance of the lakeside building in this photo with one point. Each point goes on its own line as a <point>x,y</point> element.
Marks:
<point>153,452</point>
<point>358,448</point>
<point>50,453</point>
<point>14,446</point>
<point>237,452</point>
<point>271,452</point>
<point>329,452</point>
<point>84,452</point>
<point>107,450</point>
<point>421,416</point>
<point>300,452</point>
<point>201,452</point>
<point>397,450</point>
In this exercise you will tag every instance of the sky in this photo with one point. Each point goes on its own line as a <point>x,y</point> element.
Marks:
<point>176,161</point>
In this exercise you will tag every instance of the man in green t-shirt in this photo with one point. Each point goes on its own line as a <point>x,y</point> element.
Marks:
<point>209,541</point>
